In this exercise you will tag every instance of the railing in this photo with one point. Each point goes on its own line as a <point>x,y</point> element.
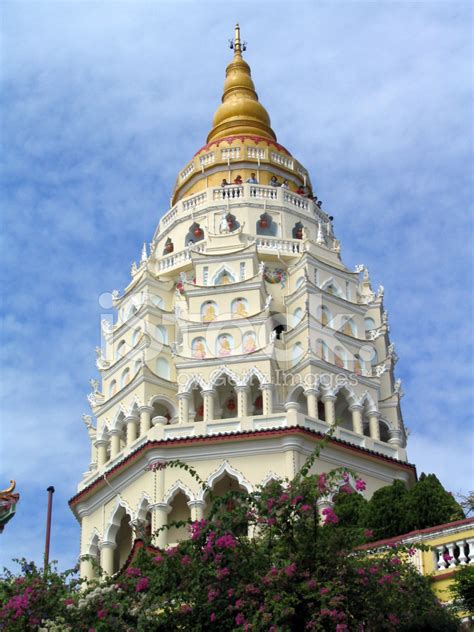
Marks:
<point>228,192</point>
<point>173,260</point>
<point>230,153</point>
<point>189,169</point>
<point>241,193</point>
<point>281,245</point>
<point>457,553</point>
<point>256,152</point>
<point>207,159</point>
<point>281,160</point>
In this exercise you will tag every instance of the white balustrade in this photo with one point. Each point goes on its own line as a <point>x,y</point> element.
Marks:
<point>256,152</point>
<point>261,192</point>
<point>207,159</point>
<point>452,554</point>
<point>281,160</point>
<point>196,200</point>
<point>282,245</point>
<point>229,192</point>
<point>170,216</point>
<point>189,169</point>
<point>170,261</point>
<point>296,200</point>
<point>230,153</point>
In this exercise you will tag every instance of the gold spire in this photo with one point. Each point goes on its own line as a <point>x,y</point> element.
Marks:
<point>240,112</point>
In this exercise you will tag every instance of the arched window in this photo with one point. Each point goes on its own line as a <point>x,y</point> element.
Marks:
<point>224,345</point>
<point>112,388</point>
<point>326,316</point>
<point>136,336</point>
<point>266,226</point>
<point>137,366</point>
<point>198,348</point>
<point>132,310</point>
<point>194,234</point>
<point>224,277</point>
<point>296,352</point>
<point>359,365</point>
<point>163,368</point>
<point>297,316</point>
<point>161,334</point>
<point>121,350</point>
<point>169,247</point>
<point>369,324</point>
<point>209,311</point>
<point>298,230</point>
<point>349,327</point>
<point>125,379</point>
<point>322,350</point>
<point>299,282</point>
<point>340,358</point>
<point>240,308</point>
<point>249,342</point>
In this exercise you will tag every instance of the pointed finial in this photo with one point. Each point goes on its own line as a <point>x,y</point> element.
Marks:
<point>144,253</point>
<point>236,44</point>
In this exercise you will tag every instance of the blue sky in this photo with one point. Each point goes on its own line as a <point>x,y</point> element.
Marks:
<point>102,104</point>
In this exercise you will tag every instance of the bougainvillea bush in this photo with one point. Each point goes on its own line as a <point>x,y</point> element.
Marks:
<point>296,572</point>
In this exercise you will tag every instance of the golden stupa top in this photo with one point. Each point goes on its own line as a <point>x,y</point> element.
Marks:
<point>240,111</point>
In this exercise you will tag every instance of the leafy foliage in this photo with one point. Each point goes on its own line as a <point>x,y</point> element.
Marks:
<point>297,572</point>
<point>463,590</point>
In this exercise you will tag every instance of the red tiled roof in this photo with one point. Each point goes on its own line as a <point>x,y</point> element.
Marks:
<point>232,436</point>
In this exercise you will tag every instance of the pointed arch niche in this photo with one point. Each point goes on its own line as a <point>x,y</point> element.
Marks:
<point>194,234</point>
<point>266,226</point>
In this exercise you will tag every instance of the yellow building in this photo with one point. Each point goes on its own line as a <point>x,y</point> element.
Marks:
<point>240,340</point>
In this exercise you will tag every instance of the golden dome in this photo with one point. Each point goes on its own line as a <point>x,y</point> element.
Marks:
<point>240,111</point>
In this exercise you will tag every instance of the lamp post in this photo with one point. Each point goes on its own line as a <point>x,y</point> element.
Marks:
<point>50,491</point>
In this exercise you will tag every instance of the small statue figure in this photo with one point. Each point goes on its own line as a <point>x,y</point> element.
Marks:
<point>224,224</point>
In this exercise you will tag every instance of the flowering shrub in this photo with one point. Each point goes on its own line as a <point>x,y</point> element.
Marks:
<point>298,571</point>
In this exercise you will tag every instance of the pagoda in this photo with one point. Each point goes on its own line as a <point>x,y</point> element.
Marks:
<point>240,341</point>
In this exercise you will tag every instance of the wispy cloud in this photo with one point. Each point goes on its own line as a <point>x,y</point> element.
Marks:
<point>103,103</point>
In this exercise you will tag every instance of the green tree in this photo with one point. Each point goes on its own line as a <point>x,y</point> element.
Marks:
<point>429,504</point>
<point>351,510</point>
<point>386,512</point>
<point>462,590</point>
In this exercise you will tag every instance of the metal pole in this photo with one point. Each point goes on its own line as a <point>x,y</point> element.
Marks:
<point>50,491</point>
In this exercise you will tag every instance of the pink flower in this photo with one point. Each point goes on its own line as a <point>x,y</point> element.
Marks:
<point>158,559</point>
<point>322,483</point>
<point>142,584</point>
<point>360,485</point>
<point>240,619</point>
<point>101,614</point>
<point>341,627</point>
<point>239,603</point>
<point>222,572</point>
<point>270,503</point>
<point>271,521</point>
<point>360,571</point>
<point>226,541</point>
<point>212,593</point>
<point>329,516</point>
<point>133,572</point>
<point>368,533</point>
<point>212,617</point>
<point>171,551</point>
<point>185,560</point>
<point>305,507</point>
<point>447,557</point>
<point>196,528</point>
<point>411,552</point>
<point>185,609</point>
<point>311,584</point>
<point>394,620</point>
<point>290,570</point>
<point>395,561</point>
<point>324,591</point>
<point>283,498</point>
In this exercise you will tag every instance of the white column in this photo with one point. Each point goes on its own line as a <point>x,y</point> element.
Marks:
<point>145,418</point>
<point>131,423</point>
<point>441,561</point>
<point>292,409</point>
<point>324,502</point>
<point>197,509</point>
<point>312,400</point>
<point>208,397</point>
<point>101,445</point>
<point>396,437</point>
<point>470,543</point>
<point>452,561</point>
<point>357,424</point>
<point>461,544</point>
<point>267,397</point>
<point>183,407</point>
<point>107,557</point>
<point>86,569</point>
<point>329,409</point>
<point>374,424</point>
<point>115,435</point>
<point>242,400</point>
<point>159,520</point>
